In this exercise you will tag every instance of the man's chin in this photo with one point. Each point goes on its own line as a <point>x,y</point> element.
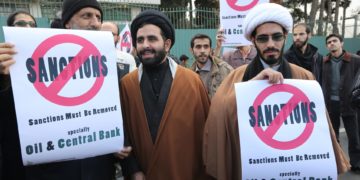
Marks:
<point>272,60</point>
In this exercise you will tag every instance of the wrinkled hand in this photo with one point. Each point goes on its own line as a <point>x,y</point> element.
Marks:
<point>6,57</point>
<point>125,152</point>
<point>271,75</point>
<point>138,176</point>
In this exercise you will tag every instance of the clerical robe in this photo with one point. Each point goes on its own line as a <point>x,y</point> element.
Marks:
<point>176,153</point>
<point>221,134</point>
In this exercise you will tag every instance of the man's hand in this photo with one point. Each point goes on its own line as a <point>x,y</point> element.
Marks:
<point>270,74</point>
<point>124,152</point>
<point>6,57</point>
<point>138,176</point>
<point>220,38</point>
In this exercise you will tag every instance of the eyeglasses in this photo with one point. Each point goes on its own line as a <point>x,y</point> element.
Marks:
<point>265,38</point>
<point>24,23</point>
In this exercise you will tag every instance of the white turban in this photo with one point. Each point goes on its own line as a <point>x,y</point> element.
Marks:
<point>267,12</point>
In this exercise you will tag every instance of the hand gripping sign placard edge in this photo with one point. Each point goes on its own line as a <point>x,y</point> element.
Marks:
<point>232,4</point>
<point>267,135</point>
<point>51,92</point>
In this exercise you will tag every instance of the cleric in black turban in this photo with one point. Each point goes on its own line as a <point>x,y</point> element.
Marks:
<point>156,18</point>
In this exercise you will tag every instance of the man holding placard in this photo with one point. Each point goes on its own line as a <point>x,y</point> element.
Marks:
<point>267,26</point>
<point>77,14</point>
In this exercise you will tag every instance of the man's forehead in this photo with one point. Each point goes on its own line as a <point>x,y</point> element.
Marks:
<point>332,38</point>
<point>300,29</point>
<point>89,9</point>
<point>149,29</point>
<point>261,29</point>
<point>201,41</point>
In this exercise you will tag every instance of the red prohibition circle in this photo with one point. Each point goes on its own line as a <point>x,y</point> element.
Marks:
<point>51,92</point>
<point>232,4</point>
<point>267,135</point>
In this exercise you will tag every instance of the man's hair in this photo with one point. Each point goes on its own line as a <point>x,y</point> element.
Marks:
<point>117,27</point>
<point>307,28</point>
<point>253,34</point>
<point>11,18</point>
<point>56,23</point>
<point>199,36</point>
<point>183,57</point>
<point>333,35</point>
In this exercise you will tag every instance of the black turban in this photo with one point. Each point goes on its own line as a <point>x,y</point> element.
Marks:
<point>156,18</point>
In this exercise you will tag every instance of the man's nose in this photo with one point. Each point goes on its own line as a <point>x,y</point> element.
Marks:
<point>271,42</point>
<point>95,22</point>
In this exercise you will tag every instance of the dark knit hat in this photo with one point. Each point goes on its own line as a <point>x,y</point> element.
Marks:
<point>156,18</point>
<point>70,7</point>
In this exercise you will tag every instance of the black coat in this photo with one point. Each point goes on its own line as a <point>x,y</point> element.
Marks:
<point>311,60</point>
<point>350,66</point>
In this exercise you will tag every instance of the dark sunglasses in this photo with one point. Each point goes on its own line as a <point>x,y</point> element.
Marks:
<point>265,38</point>
<point>24,23</point>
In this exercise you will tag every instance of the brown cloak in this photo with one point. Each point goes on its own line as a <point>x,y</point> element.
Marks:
<point>177,152</point>
<point>221,134</point>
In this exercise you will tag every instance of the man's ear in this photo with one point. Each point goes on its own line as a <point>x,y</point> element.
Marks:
<point>253,40</point>
<point>117,39</point>
<point>191,50</point>
<point>167,45</point>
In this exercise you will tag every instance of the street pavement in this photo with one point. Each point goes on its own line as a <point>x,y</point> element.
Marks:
<point>344,144</point>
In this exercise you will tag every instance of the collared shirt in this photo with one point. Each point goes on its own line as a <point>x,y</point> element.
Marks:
<point>205,73</point>
<point>276,67</point>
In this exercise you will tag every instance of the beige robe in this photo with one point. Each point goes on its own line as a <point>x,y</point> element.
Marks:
<point>177,152</point>
<point>221,134</point>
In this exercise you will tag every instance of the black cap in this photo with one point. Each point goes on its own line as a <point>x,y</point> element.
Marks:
<point>70,7</point>
<point>156,18</point>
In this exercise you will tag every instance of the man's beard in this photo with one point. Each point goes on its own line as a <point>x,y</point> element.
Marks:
<point>198,58</point>
<point>156,60</point>
<point>271,60</point>
<point>302,44</point>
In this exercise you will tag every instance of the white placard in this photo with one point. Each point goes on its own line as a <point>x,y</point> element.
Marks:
<point>284,132</point>
<point>66,93</point>
<point>232,16</point>
<point>125,40</point>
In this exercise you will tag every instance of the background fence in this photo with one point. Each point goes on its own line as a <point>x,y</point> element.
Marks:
<point>119,11</point>
<point>187,21</point>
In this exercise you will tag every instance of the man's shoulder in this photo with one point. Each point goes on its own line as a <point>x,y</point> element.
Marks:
<point>289,54</point>
<point>124,57</point>
<point>222,65</point>
<point>131,76</point>
<point>183,71</point>
<point>300,73</point>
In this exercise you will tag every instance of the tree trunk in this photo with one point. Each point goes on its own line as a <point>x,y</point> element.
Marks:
<point>305,11</point>
<point>336,18</point>
<point>321,18</point>
<point>329,17</point>
<point>343,22</point>
<point>314,9</point>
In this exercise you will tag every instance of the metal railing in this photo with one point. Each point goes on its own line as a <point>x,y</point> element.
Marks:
<point>119,11</point>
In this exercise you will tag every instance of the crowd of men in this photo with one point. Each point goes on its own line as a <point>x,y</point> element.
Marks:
<point>181,123</point>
